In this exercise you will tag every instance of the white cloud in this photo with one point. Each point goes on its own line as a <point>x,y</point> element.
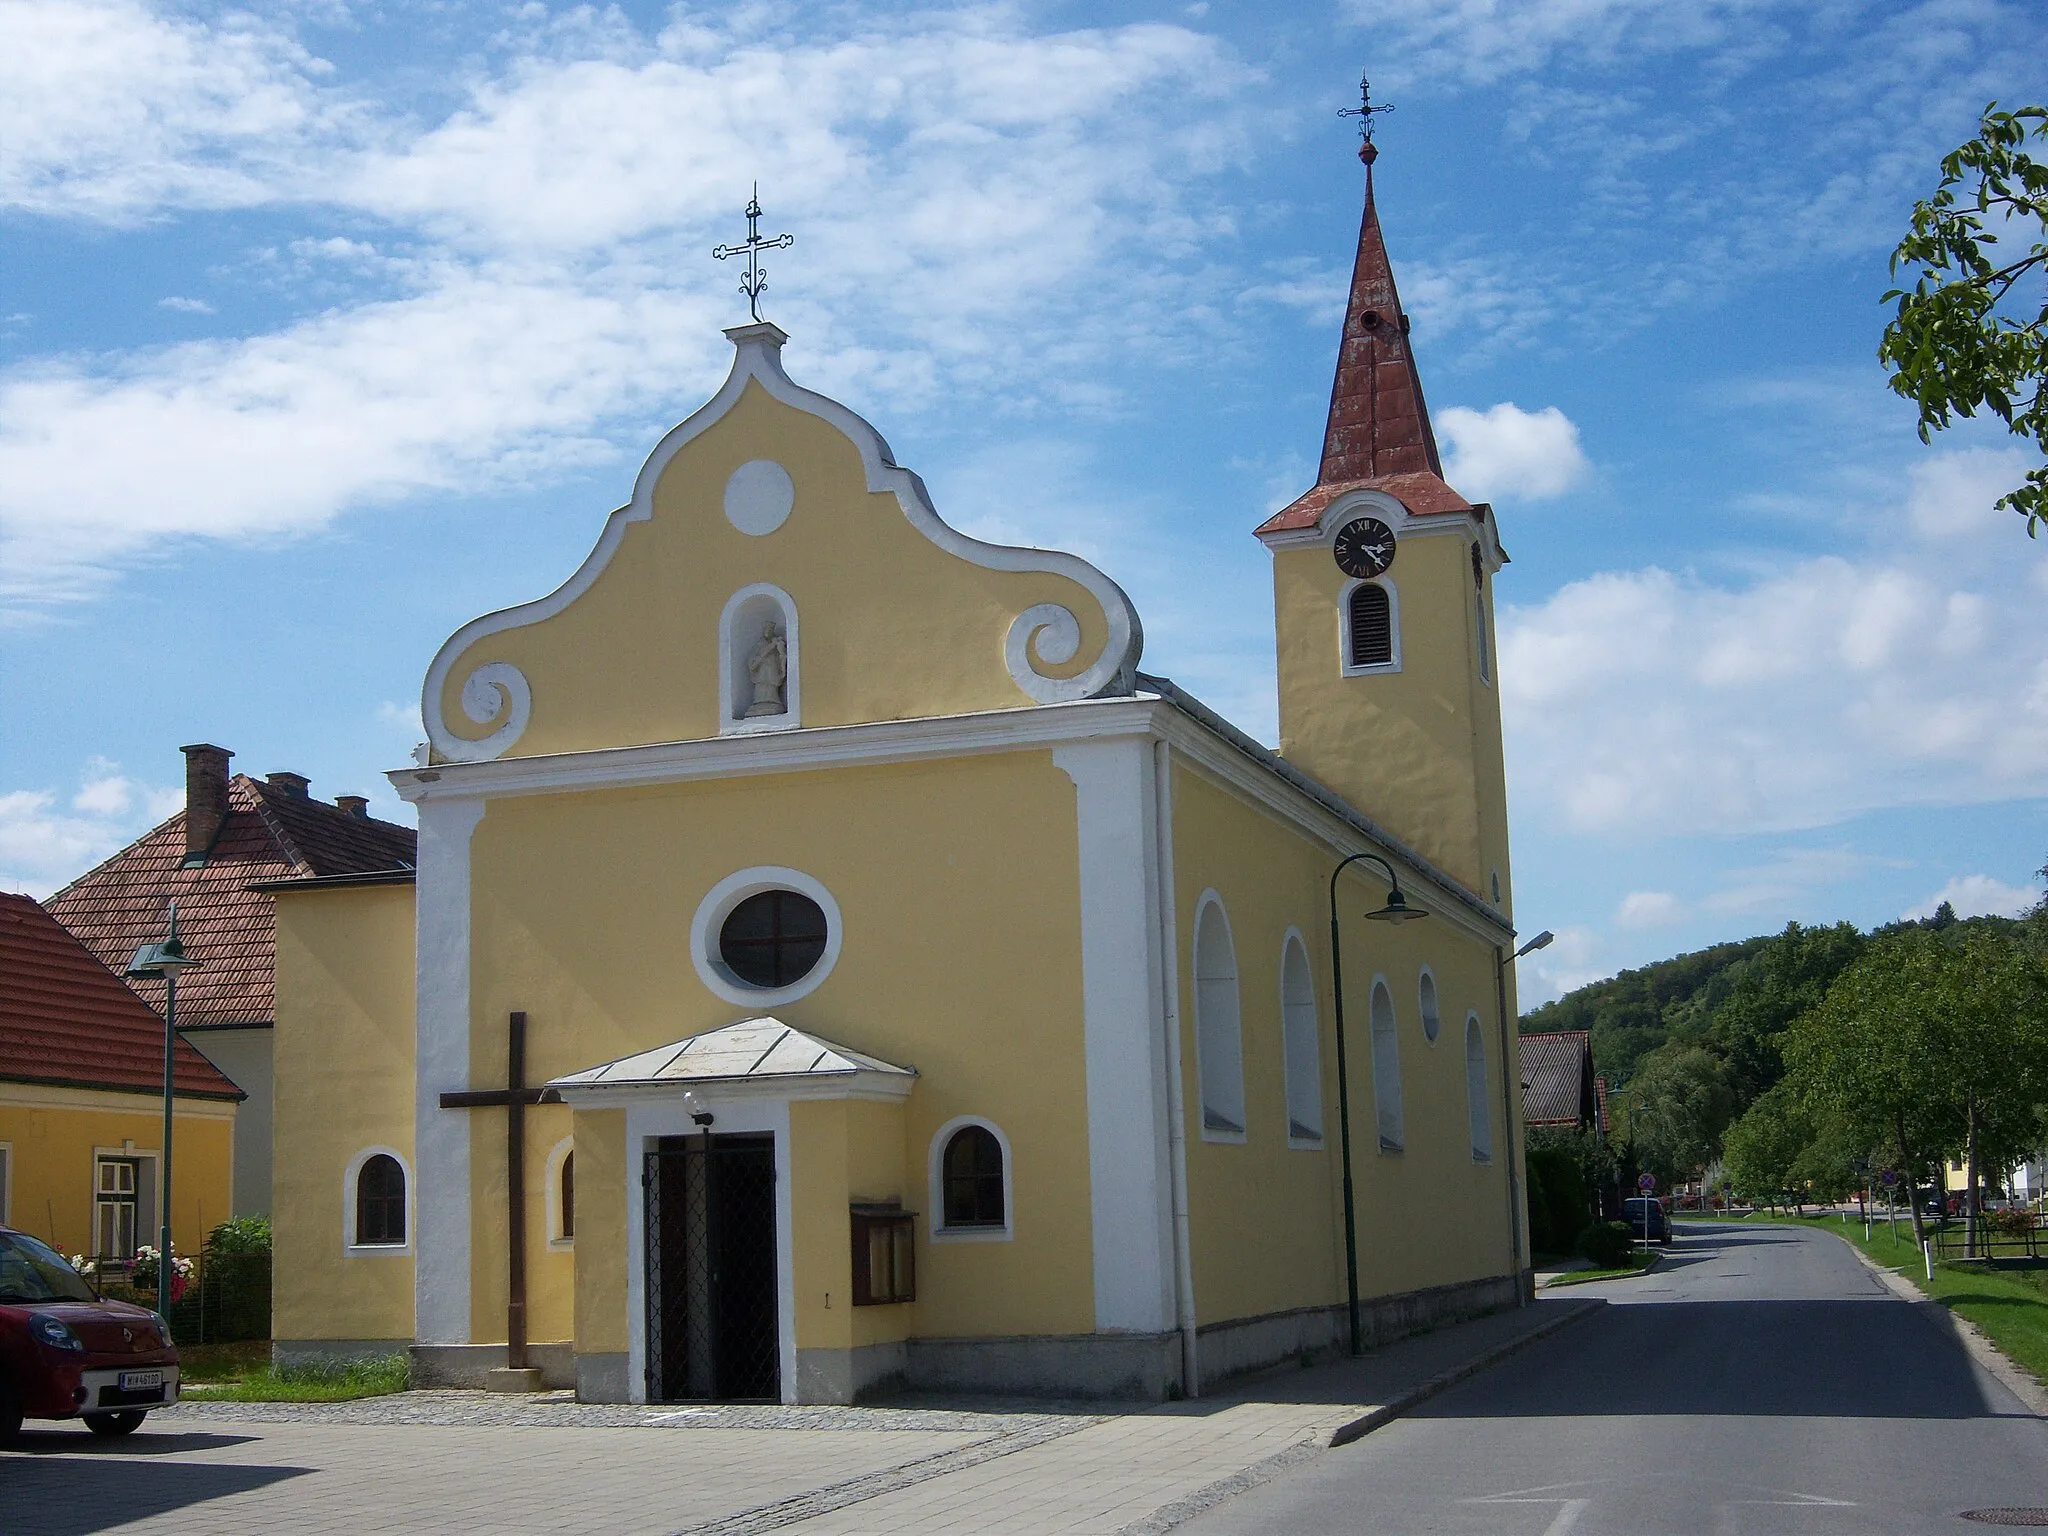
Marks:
<point>1568,962</point>
<point>44,846</point>
<point>1979,896</point>
<point>958,178</point>
<point>185,306</point>
<point>1485,40</point>
<point>1909,672</point>
<point>1505,452</point>
<point>1648,909</point>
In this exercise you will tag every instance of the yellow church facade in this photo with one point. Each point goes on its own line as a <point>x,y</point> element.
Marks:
<point>898,986</point>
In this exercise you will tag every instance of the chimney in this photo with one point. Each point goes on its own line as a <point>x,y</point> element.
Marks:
<point>356,805</point>
<point>290,783</point>
<point>206,794</point>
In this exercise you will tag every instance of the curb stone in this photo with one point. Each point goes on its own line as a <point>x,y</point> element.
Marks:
<point>2010,1374</point>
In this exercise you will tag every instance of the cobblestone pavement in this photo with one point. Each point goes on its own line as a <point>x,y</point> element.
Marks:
<point>471,1461</point>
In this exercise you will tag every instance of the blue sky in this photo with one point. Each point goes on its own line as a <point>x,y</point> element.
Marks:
<point>325,328</point>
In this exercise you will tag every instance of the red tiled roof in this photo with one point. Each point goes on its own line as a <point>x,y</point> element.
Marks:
<point>1557,1076</point>
<point>271,832</point>
<point>1378,436</point>
<point>66,1019</point>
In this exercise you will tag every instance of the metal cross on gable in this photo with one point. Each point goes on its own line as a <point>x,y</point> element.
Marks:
<point>1365,111</point>
<point>756,279</point>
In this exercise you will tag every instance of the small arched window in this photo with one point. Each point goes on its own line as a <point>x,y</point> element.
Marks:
<point>972,1177</point>
<point>1386,1068</point>
<point>568,1224</point>
<point>1476,1111</point>
<point>1370,626</point>
<point>1302,1052</point>
<point>1219,1040</point>
<point>380,1202</point>
<point>1425,998</point>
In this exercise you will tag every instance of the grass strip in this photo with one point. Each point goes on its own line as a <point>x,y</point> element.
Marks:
<point>314,1382</point>
<point>2008,1302</point>
<point>1638,1264</point>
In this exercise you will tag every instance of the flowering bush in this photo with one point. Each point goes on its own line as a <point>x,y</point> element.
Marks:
<point>144,1275</point>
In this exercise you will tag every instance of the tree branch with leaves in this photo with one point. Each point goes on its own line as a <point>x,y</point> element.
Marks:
<point>1971,334</point>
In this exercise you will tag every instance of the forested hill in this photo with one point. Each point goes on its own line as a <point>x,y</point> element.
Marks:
<point>1733,997</point>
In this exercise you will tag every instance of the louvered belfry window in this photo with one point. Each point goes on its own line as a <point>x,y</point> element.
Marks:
<point>1372,626</point>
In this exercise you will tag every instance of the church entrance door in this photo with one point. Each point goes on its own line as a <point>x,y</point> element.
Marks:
<point>712,1329</point>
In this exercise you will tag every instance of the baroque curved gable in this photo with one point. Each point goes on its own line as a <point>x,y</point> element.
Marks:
<point>772,487</point>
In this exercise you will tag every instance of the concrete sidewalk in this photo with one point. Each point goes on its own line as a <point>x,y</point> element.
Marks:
<point>462,1461</point>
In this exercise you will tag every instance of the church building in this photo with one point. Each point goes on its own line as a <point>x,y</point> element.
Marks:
<point>833,965</point>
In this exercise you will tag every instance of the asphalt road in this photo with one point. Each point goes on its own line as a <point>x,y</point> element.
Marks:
<point>1759,1381</point>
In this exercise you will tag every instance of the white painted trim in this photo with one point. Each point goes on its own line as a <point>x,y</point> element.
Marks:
<point>1436,997</point>
<point>148,1182</point>
<point>440,1137</point>
<point>1206,900</point>
<point>1294,939</point>
<point>1406,525</point>
<point>557,1155</point>
<point>349,1245</point>
<point>730,722</point>
<point>56,1096</point>
<point>717,905</point>
<point>939,737</point>
<point>1478,1111</point>
<point>1130,1204</point>
<point>1399,1141</point>
<point>1176,1087</point>
<point>877,1087</point>
<point>1379,668</point>
<point>757,359</point>
<point>935,1187</point>
<point>647,1122</point>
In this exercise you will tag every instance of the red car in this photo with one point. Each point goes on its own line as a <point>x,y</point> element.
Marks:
<point>66,1354</point>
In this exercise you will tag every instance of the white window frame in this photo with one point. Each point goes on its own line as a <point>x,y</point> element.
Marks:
<point>1303,1080</point>
<point>935,1223</point>
<point>732,662</point>
<point>717,906</point>
<point>1388,1114</point>
<point>147,1193</point>
<point>557,1156</point>
<point>1478,1101</point>
<point>1429,1004</point>
<point>349,1245</point>
<point>1221,1056</point>
<point>1377,669</point>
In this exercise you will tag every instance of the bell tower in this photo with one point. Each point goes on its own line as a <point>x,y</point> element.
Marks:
<point>1383,603</point>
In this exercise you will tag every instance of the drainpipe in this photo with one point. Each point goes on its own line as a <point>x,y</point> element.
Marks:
<point>1177,1118</point>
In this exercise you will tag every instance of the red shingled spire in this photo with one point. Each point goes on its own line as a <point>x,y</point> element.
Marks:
<point>1379,424</point>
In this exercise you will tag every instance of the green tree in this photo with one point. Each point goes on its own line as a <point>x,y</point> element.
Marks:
<point>1761,1147</point>
<point>1931,1043</point>
<point>1681,1102</point>
<point>1770,989</point>
<point>1962,338</point>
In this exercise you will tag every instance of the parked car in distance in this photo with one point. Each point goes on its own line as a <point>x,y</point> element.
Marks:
<point>65,1353</point>
<point>1645,1217</point>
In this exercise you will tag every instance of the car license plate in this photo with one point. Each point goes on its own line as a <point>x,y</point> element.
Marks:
<point>136,1381</point>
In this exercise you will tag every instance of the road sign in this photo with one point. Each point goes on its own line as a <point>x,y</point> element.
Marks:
<point>1889,1177</point>
<point>1646,1182</point>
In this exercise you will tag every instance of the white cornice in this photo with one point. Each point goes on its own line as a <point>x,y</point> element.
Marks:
<point>498,693</point>
<point>906,741</point>
<point>1389,509</point>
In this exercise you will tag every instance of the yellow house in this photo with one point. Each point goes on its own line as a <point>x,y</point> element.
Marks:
<point>81,1104</point>
<point>833,964</point>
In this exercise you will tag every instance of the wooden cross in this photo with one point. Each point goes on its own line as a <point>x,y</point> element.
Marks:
<point>513,1098</point>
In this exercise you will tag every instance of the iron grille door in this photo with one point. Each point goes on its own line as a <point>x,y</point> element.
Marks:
<point>712,1296</point>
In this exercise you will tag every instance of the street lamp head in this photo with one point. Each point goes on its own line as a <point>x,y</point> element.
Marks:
<point>1396,910</point>
<point>163,959</point>
<point>1541,941</point>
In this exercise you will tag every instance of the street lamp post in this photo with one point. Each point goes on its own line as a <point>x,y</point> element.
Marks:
<point>1507,1102</point>
<point>1396,910</point>
<point>162,961</point>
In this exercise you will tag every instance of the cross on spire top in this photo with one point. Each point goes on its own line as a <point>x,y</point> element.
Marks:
<point>755,279</point>
<point>1365,112</point>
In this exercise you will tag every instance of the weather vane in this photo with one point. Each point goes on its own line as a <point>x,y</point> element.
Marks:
<point>1365,112</point>
<point>756,279</point>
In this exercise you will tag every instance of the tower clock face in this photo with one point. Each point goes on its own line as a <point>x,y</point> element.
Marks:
<point>1364,547</point>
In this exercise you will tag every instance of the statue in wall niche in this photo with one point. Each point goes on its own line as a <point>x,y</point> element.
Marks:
<point>768,666</point>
